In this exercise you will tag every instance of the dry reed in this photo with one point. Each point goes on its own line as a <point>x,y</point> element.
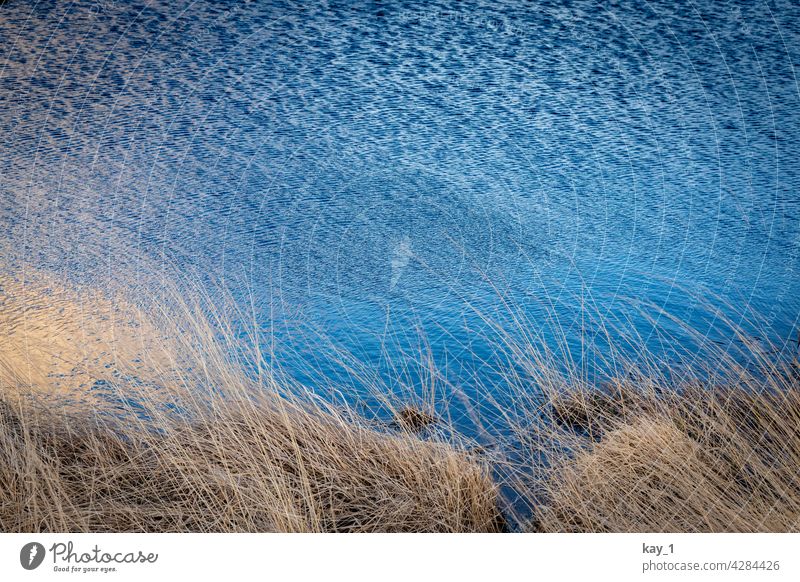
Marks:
<point>173,426</point>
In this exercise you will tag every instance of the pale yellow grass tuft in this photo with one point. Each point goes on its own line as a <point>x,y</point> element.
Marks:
<point>170,433</point>
<point>689,459</point>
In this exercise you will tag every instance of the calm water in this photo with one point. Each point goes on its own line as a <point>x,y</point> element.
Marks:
<point>381,170</point>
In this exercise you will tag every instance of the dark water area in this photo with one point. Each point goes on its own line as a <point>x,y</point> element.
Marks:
<point>382,171</point>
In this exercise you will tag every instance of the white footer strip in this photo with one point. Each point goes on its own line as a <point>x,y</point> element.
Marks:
<point>406,557</point>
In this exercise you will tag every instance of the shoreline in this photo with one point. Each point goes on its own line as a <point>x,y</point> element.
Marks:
<point>196,443</point>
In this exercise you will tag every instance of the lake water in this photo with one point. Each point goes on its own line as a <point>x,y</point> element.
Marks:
<point>385,171</point>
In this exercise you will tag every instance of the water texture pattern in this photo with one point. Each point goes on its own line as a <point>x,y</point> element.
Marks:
<point>379,165</point>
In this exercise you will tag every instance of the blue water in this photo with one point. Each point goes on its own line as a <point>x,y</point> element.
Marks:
<point>383,172</point>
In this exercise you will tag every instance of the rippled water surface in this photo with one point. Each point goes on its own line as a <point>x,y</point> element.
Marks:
<point>393,168</point>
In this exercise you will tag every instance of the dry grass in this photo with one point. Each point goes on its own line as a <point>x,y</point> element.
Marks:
<point>645,457</point>
<point>183,438</point>
<point>255,467</point>
<point>116,417</point>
